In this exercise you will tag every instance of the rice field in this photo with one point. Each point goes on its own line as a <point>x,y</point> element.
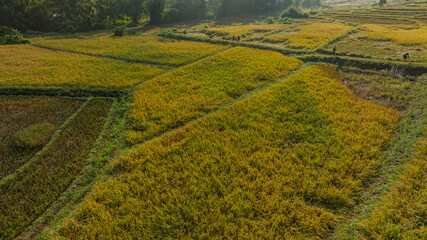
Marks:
<point>303,36</point>
<point>26,125</point>
<point>149,49</point>
<point>402,211</point>
<point>32,190</point>
<point>385,42</point>
<point>190,92</point>
<point>242,30</point>
<point>24,65</point>
<point>283,163</point>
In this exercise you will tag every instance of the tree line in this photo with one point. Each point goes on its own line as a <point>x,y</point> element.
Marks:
<point>85,15</point>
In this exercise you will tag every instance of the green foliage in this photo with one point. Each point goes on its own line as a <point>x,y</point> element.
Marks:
<point>27,195</point>
<point>35,135</point>
<point>10,36</point>
<point>120,31</point>
<point>382,2</point>
<point>293,12</point>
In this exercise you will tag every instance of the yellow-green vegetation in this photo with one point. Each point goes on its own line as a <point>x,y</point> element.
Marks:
<point>403,35</point>
<point>30,192</point>
<point>305,36</point>
<point>27,65</point>
<point>280,164</point>
<point>402,211</point>
<point>150,49</point>
<point>35,135</point>
<point>22,124</point>
<point>385,42</point>
<point>242,30</point>
<point>378,87</point>
<point>175,98</point>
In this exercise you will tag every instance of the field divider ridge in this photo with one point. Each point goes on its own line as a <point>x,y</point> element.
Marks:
<point>46,147</point>
<point>66,91</point>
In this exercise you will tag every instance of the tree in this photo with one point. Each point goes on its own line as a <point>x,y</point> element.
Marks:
<point>287,3</point>
<point>155,8</point>
<point>306,3</point>
<point>382,2</point>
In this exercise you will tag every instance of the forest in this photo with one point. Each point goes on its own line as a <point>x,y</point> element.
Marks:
<point>86,15</point>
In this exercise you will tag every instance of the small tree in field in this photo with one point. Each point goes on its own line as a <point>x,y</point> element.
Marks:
<point>382,2</point>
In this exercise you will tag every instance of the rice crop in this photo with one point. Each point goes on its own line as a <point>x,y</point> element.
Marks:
<point>151,49</point>
<point>402,211</point>
<point>31,191</point>
<point>19,116</point>
<point>189,92</point>
<point>305,36</point>
<point>281,164</point>
<point>403,35</point>
<point>242,30</point>
<point>32,66</point>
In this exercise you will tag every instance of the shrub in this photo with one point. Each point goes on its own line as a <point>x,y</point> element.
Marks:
<point>294,13</point>
<point>9,36</point>
<point>120,31</point>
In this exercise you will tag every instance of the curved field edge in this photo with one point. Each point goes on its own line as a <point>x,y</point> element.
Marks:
<point>411,128</point>
<point>283,163</point>
<point>35,188</point>
<point>104,150</point>
<point>21,114</point>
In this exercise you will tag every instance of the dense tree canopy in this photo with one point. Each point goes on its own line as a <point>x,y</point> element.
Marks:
<point>83,15</point>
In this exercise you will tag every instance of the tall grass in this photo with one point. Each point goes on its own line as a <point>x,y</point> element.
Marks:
<point>173,99</point>
<point>31,66</point>
<point>150,49</point>
<point>281,164</point>
<point>402,35</point>
<point>30,192</point>
<point>243,30</point>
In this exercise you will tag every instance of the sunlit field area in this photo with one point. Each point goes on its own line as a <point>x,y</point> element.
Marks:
<point>229,119</point>
<point>150,49</point>
<point>389,42</point>
<point>173,99</point>
<point>303,36</point>
<point>26,65</point>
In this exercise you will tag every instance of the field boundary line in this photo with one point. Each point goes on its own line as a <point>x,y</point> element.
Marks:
<point>225,105</point>
<point>102,153</point>
<point>398,152</point>
<point>46,147</point>
<point>148,63</point>
<point>336,38</point>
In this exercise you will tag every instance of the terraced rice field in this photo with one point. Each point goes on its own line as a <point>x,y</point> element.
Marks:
<point>151,49</point>
<point>24,65</point>
<point>303,36</point>
<point>26,125</point>
<point>33,189</point>
<point>243,31</point>
<point>387,42</point>
<point>276,164</point>
<point>190,92</point>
